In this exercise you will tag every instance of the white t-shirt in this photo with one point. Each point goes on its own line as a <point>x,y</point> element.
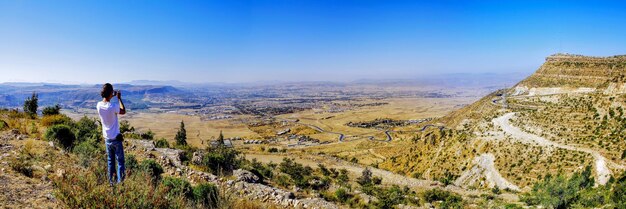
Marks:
<point>108,116</point>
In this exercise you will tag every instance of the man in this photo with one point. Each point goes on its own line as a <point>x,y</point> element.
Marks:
<point>108,112</point>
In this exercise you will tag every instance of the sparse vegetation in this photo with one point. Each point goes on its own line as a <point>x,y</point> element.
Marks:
<point>52,110</point>
<point>31,104</point>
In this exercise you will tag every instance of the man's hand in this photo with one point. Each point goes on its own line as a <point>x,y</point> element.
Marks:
<point>119,98</point>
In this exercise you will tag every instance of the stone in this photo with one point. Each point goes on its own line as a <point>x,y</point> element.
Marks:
<point>245,176</point>
<point>60,173</point>
<point>197,157</point>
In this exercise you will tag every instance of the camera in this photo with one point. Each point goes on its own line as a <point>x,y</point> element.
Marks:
<point>115,92</point>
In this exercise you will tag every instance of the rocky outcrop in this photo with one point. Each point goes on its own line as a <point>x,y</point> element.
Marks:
<point>245,184</point>
<point>576,71</point>
<point>196,159</point>
<point>484,168</point>
<point>245,176</point>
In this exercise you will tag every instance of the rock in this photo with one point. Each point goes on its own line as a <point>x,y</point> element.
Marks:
<point>47,167</point>
<point>245,176</point>
<point>197,157</point>
<point>178,172</point>
<point>60,173</point>
<point>51,143</point>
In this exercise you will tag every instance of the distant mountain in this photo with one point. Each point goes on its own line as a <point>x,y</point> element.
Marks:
<point>81,96</point>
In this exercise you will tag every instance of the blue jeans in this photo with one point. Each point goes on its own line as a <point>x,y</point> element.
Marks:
<point>115,152</point>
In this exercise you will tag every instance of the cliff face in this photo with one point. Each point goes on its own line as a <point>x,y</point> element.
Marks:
<point>565,73</point>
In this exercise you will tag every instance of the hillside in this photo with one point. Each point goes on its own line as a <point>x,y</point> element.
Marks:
<point>566,116</point>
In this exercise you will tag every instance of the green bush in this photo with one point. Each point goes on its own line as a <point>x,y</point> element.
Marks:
<point>151,168</point>
<point>31,105</point>
<point>342,195</point>
<point>87,128</point>
<point>391,196</point>
<point>89,150</point>
<point>61,135</point>
<point>221,160</point>
<point>177,187</point>
<point>449,199</point>
<point>22,165</point>
<point>132,165</point>
<point>51,120</point>
<point>161,143</point>
<point>559,191</point>
<point>125,127</point>
<point>88,189</point>
<point>3,125</point>
<point>298,173</point>
<point>206,195</point>
<point>262,171</point>
<point>52,110</point>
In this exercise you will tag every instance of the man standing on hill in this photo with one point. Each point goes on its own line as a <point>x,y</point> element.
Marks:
<point>108,112</point>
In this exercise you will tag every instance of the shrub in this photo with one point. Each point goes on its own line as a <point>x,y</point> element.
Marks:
<point>31,105</point>
<point>125,127</point>
<point>132,165</point>
<point>50,120</point>
<point>87,128</point>
<point>221,160</point>
<point>391,196</point>
<point>87,189</point>
<point>342,195</point>
<point>89,150</point>
<point>206,195</point>
<point>262,171</point>
<point>282,180</point>
<point>21,165</point>
<point>161,143</point>
<point>52,110</point>
<point>298,173</point>
<point>177,187</point>
<point>151,168</point>
<point>559,191</point>
<point>437,194</point>
<point>366,177</point>
<point>181,135</point>
<point>272,149</point>
<point>62,135</point>
<point>3,125</point>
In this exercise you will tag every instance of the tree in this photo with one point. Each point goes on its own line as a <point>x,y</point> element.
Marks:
<point>30,104</point>
<point>366,177</point>
<point>52,110</point>
<point>220,139</point>
<point>181,135</point>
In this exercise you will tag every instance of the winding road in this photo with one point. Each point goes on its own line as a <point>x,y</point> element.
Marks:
<point>603,173</point>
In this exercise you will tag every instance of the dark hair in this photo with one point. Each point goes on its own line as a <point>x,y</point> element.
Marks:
<point>107,89</point>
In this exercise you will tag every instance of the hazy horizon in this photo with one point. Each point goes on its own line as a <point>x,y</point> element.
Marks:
<point>291,41</point>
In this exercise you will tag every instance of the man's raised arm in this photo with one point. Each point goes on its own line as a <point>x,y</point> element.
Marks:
<point>119,98</point>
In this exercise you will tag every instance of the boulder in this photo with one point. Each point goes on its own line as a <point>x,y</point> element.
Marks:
<point>245,176</point>
<point>196,159</point>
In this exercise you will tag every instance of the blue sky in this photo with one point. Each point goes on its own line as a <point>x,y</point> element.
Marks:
<point>242,41</point>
